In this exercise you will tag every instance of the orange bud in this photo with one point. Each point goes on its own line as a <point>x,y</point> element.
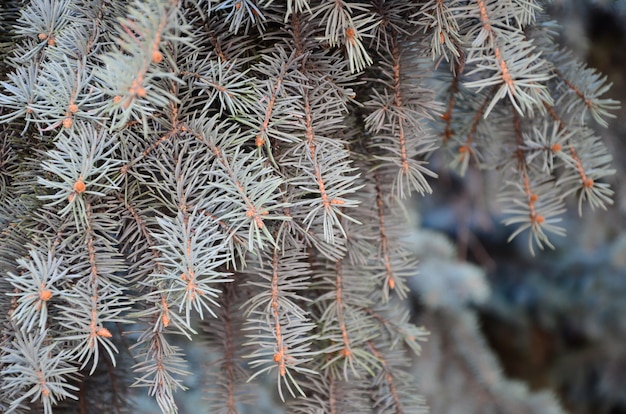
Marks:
<point>45,295</point>
<point>259,140</point>
<point>104,332</point>
<point>157,57</point>
<point>79,186</point>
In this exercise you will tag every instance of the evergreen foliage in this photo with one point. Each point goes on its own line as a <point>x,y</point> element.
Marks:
<point>235,170</point>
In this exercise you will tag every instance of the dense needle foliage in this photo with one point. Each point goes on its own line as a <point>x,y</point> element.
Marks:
<point>234,171</point>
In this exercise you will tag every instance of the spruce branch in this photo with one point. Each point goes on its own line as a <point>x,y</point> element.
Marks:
<point>391,387</point>
<point>496,46</point>
<point>227,382</point>
<point>236,170</point>
<point>277,325</point>
<point>162,368</point>
<point>82,166</point>
<point>35,287</point>
<point>34,370</point>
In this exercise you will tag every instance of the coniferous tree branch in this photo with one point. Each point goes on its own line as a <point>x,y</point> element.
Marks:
<point>243,163</point>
